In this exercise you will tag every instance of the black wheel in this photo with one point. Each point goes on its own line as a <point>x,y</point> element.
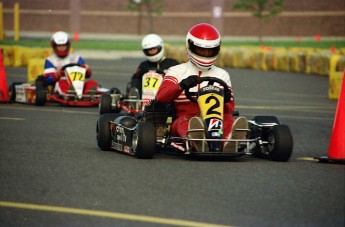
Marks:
<point>12,91</point>
<point>266,119</point>
<point>144,140</point>
<point>280,143</point>
<point>41,96</point>
<point>105,104</point>
<point>103,133</point>
<point>40,81</point>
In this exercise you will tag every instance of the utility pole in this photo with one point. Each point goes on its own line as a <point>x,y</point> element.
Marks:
<point>217,14</point>
<point>74,18</point>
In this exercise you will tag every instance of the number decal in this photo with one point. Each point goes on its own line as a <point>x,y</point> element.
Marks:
<point>76,73</point>
<point>77,76</point>
<point>216,104</point>
<point>211,106</point>
<point>150,82</point>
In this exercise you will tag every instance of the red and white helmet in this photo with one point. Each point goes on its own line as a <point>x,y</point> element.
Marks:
<point>151,41</point>
<point>203,45</point>
<point>60,38</point>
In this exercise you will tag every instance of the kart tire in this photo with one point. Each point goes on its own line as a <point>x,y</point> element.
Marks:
<point>103,134</point>
<point>280,143</point>
<point>41,96</point>
<point>40,81</point>
<point>144,140</point>
<point>105,104</point>
<point>12,91</point>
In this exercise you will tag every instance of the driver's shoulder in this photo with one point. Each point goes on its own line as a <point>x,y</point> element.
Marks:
<point>218,72</point>
<point>73,57</point>
<point>178,69</point>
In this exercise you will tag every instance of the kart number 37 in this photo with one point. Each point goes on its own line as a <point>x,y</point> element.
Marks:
<point>152,81</point>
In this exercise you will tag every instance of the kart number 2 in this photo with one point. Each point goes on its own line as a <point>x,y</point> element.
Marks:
<point>212,109</point>
<point>211,106</point>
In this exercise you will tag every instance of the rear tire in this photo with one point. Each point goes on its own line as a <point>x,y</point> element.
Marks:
<point>144,140</point>
<point>105,104</point>
<point>103,134</point>
<point>12,91</point>
<point>41,96</point>
<point>280,143</point>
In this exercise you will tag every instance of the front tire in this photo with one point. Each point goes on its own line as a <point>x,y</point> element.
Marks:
<point>280,143</point>
<point>103,133</point>
<point>12,91</point>
<point>41,96</point>
<point>144,140</point>
<point>105,104</point>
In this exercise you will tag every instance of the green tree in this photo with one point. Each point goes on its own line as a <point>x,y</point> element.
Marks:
<point>264,10</point>
<point>148,8</point>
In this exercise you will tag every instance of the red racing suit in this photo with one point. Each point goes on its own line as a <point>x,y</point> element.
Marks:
<point>54,63</point>
<point>170,91</point>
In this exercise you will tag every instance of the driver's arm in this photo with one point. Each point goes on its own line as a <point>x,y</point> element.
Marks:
<point>82,63</point>
<point>51,73</point>
<point>169,90</point>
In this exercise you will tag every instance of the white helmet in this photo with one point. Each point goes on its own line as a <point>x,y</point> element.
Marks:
<point>153,41</point>
<point>203,45</point>
<point>60,38</point>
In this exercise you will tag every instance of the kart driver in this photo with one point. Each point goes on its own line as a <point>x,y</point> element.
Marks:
<point>61,43</point>
<point>153,48</point>
<point>203,45</point>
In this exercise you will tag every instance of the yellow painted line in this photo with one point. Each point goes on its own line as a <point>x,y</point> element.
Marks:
<point>12,118</point>
<point>306,159</point>
<point>115,215</point>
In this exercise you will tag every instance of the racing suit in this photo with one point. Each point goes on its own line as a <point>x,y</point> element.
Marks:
<point>161,67</point>
<point>170,91</point>
<point>52,67</point>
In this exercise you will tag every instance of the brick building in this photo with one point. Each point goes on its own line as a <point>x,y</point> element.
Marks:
<point>299,17</point>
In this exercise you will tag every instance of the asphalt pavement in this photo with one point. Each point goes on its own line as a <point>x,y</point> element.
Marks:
<point>53,174</point>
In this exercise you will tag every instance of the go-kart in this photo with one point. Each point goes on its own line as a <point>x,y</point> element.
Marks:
<point>133,102</point>
<point>39,93</point>
<point>145,134</point>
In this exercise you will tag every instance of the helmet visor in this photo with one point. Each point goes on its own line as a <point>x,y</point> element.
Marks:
<point>203,52</point>
<point>152,51</point>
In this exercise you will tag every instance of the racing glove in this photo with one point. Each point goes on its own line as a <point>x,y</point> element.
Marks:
<point>189,82</point>
<point>59,73</point>
<point>88,70</point>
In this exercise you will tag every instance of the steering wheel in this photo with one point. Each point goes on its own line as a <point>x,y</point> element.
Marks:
<point>209,79</point>
<point>69,65</point>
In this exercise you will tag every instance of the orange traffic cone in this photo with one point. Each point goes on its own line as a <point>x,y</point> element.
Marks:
<point>3,81</point>
<point>76,36</point>
<point>336,151</point>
